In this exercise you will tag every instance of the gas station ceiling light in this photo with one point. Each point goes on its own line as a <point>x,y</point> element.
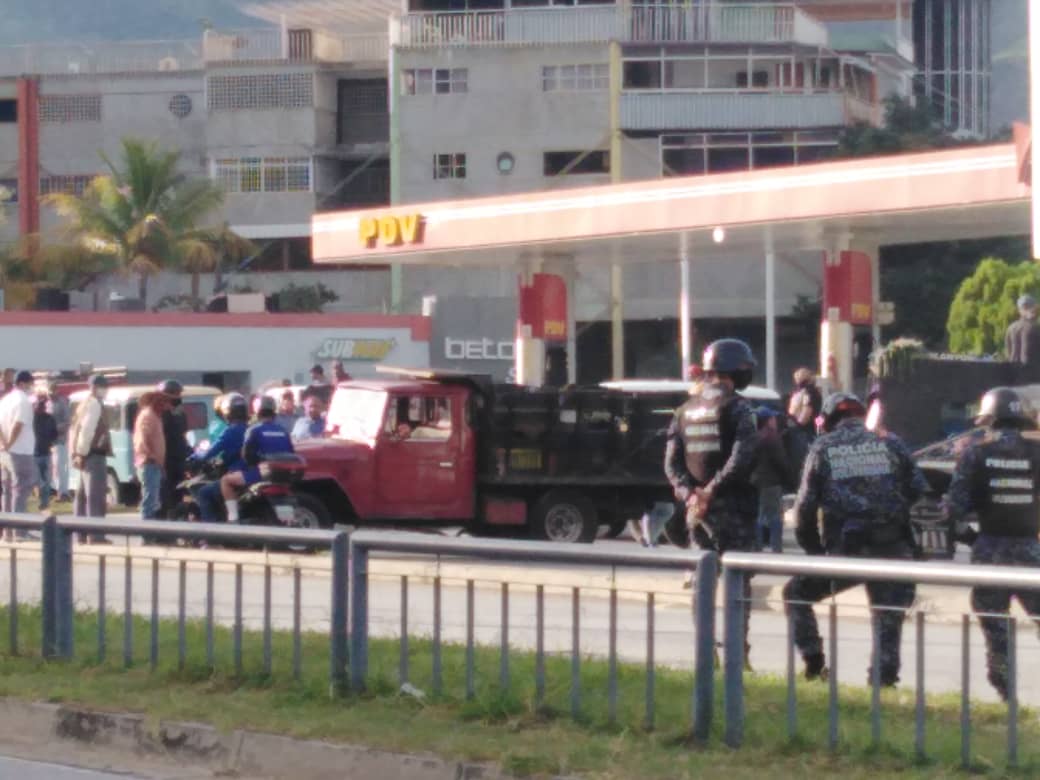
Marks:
<point>718,235</point>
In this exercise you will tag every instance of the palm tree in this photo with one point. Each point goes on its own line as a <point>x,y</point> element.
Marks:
<point>211,249</point>
<point>145,214</point>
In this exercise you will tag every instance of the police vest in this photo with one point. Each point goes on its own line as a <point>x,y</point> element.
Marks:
<point>707,431</point>
<point>1009,488</point>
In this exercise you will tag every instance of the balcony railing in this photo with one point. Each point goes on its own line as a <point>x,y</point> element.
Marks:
<point>662,23</point>
<point>741,110</point>
<point>275,45</point>
<point>55,59</point>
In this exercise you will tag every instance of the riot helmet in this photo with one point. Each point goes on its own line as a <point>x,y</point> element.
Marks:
<point>1002,407</point>
<point>732,358</point>
<point>840,406</point>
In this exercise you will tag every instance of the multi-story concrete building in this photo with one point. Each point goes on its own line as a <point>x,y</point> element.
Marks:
<point>288,121</point>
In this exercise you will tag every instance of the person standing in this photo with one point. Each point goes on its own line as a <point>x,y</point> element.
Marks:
<point>320,387</point>
<point>150,452</point>
<point>339,373</point>
<point>312,424</point>
<point>59,407</point>
<point>803,409</point>
<point>45,430</point>
<point>865,485</point>
<point>287,416</point>
<point>773,476</point>
<point>711,453</point>
<point>17,444</point>
<point>90,445</point>
<point>998,478</point>
<point>1022,338</point>
<point>175,434</point>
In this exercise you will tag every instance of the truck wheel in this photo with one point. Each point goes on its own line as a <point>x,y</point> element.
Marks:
<point>564,516</point>
<point>311,512</point>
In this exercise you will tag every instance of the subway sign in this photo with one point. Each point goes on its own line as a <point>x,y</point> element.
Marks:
<point>390,230</point>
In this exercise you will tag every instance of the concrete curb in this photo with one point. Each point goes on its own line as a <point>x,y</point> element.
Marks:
<point>238,754</point>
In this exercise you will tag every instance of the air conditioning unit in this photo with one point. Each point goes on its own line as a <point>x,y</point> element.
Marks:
<point>169,63</point>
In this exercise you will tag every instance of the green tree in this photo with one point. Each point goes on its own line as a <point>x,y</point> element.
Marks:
<point>146,214</point>
<point>906,127</point>
<point>984,305</point>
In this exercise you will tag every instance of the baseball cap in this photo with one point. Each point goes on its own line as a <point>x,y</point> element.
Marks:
<point>23,377</point>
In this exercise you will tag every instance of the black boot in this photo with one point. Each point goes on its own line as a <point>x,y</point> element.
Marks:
<point>815,667</point>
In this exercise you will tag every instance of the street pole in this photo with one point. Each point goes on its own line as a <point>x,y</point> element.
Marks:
<point>685,336</point>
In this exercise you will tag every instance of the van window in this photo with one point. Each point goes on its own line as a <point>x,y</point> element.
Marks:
<point>196,413</point>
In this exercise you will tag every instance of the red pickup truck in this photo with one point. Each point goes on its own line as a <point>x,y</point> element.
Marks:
<point>448,449</point>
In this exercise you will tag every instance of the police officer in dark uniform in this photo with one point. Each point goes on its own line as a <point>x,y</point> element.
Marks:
<point>710,454</point>
<point>175,430</point>
<point>998,478</point>
<point>865,483</point>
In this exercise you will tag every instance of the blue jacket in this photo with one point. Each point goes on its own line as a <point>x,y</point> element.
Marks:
<point>228,447</point>
<point>263,439</point>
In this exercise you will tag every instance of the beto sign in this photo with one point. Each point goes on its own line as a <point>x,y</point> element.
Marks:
<point>474,335</point>
<point>479,349</point>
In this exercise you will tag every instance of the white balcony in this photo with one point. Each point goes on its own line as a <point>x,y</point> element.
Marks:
<point>729,23</point>
<point>276,45</point>
<point>741,110</point>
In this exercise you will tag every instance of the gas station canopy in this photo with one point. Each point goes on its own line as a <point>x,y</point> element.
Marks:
<point>973,192</point>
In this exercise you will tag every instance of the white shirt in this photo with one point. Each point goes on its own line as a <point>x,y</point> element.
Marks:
<point>15,407</point>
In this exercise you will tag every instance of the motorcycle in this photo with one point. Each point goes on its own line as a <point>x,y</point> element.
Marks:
<point>271,501</point>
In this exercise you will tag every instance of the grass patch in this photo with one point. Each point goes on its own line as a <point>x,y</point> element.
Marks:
<point>500,725</point>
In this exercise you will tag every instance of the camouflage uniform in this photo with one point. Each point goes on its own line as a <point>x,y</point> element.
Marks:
<point>711,443</point>
<point>865,484</point>
<point>997,478</point>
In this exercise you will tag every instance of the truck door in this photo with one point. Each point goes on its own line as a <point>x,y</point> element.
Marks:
<point>419,473</point>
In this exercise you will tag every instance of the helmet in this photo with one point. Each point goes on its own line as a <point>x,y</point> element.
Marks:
<point>1003,407</point>
<point>98,380</point>
<point>234,407</point>
<point>1026,301</point>
<point>170,387</point>
<point>731,357</point>
<point>267,407</point>
<point>838,406</point>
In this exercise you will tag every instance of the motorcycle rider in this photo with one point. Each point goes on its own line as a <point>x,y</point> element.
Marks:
<point>865,484</point>
<point>227,448</point>
<point>998,478</point>
<point>711,454</point>
<point>263,439</point>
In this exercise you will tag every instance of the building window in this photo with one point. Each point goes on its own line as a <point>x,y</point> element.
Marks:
<point>449,166</point>
<point>561,78</point>
<point>440,81</point>
<point>564,163</point>
<point>263,174</point>
<point>260,91</point>
<point>70,108</point>
<point>65,185</point>
<point>8,111</point>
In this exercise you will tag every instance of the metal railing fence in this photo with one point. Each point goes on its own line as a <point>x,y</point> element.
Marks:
<point>58,608</point>
<point>363,543</point>
<point>736,566</point>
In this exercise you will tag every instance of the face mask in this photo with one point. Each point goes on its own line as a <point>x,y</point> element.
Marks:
<point>175,402</point>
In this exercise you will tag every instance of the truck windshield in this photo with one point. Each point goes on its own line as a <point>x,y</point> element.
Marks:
<point>356,414</point>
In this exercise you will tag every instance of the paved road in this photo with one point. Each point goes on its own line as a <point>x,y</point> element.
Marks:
<point>17,769</point>
<point>673,621</point>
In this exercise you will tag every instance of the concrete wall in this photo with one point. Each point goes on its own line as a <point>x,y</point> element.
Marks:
<point>505,110</point>
<point>263,346</point>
